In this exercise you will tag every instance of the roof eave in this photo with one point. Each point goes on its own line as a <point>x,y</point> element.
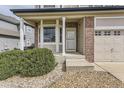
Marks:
<point>67,9</point>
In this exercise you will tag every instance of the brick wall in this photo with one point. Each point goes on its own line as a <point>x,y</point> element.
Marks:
<point>89,38</point>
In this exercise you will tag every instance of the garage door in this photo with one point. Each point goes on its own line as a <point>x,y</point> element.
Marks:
<point>109,46</point>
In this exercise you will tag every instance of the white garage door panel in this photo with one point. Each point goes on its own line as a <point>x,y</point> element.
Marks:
<point>99,49</point>
<point>118,51</point>
<point>99,57</point>
<point>109,46</point>
<point>117,57</point>
<point>107,56</point>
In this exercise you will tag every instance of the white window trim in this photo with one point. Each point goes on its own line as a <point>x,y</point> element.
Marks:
<point>51,43</point>
<point>50,25</point>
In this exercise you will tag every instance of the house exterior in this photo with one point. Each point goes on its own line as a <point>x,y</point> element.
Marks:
<point>9,33</point>
<point>95,32</point>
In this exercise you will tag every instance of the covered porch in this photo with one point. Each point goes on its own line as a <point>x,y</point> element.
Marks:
<point>62,32</point>
<point>61,35</point>
<point>65,35</point>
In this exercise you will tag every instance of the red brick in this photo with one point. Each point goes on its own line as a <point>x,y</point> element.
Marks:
<point>89,39</point>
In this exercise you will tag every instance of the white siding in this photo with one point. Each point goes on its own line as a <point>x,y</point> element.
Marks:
<point>8,43</point>
<point>8,29</point>
<point>8,26</point>
<point>29,36</point>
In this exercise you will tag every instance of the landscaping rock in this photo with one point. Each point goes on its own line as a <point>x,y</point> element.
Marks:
<point>94,79</point>
<point>33,82</point>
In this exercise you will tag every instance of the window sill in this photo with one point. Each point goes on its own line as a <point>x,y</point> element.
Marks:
<point>50,43</point>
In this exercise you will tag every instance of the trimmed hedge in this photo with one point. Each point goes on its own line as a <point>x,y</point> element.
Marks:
<point>9,65</point>
<point>34,62</point>
<point>40,62</point>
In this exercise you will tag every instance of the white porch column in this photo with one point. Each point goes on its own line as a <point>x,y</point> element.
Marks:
<point>41,34</point>
<point>21,34</point>
<point>57,35</point>
<point>63,35</point>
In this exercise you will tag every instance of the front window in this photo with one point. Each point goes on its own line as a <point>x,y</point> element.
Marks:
<point>49,34</point>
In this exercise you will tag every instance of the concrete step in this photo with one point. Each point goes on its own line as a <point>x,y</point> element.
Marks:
<point>74,56</point>
<point>79,66</point>
<point>75,60</point>
<point>60,59</point>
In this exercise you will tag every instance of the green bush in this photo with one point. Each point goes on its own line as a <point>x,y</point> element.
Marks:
<point>11,54</point>
<point>34,62</point>
<point>7,69</point>
<point>40,62</point>
<point>9,63</point>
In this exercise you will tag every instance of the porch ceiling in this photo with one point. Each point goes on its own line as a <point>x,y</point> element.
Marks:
<point>37,20</point>
<point>34,21</point>
<point>50,17</point>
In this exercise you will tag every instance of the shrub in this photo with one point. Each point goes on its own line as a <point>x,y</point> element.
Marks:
<point>32,62</point>
<point>9,63</point>
<point>40,62</point>
<point>11,54</point>
<point>7,69</point>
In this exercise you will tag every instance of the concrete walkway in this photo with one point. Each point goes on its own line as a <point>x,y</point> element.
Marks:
<point>115,68</point>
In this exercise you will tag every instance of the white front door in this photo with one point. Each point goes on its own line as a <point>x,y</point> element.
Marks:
<point>71,40</point>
